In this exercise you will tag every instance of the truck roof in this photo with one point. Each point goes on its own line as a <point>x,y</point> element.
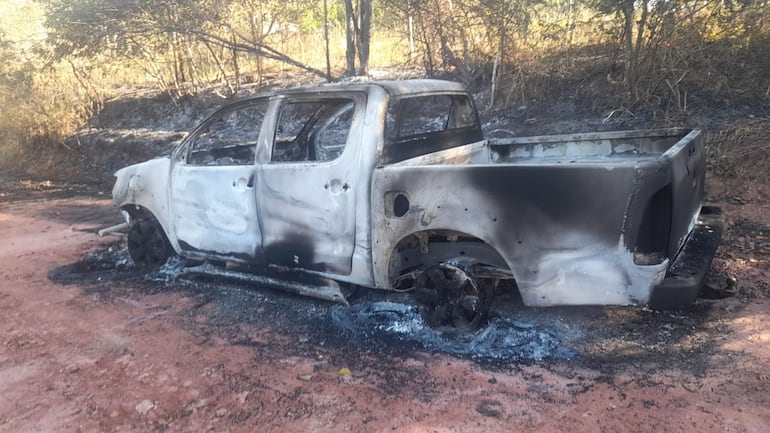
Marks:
<point>392,87</point>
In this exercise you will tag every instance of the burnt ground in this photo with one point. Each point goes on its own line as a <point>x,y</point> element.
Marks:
<point>101,347</point>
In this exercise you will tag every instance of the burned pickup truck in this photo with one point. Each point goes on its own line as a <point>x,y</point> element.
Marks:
<point>392,185</point>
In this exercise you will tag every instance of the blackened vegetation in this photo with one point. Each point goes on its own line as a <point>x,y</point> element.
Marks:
<point>648,340</point>
<point>749,241</point>
<point>749,238</point>
<point>105,265</point>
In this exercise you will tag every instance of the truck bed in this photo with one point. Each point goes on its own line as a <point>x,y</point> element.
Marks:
<point>578,219</point>
<point>615,147</point>
<point>604,147</point>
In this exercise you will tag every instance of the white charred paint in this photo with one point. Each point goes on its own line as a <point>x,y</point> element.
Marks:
<point>593,275</point>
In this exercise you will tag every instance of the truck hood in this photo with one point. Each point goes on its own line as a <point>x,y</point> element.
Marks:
<point>134,181</point>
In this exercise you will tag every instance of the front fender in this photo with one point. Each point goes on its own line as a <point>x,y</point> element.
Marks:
<point>145,185</point>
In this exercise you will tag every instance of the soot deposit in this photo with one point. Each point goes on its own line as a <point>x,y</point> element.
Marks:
<point>386,325</point>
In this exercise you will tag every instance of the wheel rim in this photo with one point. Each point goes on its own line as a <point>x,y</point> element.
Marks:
<point>450,296</point>
<point>147,244</point>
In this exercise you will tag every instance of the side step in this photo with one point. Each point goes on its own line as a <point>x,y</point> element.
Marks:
<point>314,287</point>
<point>686,275</point>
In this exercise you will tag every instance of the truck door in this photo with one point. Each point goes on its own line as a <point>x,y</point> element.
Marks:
<point>306,185</point>
<point>212,197</point>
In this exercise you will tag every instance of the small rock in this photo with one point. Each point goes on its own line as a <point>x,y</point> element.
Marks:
<point>221,412</point>
<point>490,408</point>
<point>72,369</point>
<point>304,338</point>
<point>492,380</point>
<point>144,406</point>
<point>305,377</point>
<point>243,396</point>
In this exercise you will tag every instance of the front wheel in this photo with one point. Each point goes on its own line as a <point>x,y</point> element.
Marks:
<point>147,244</point>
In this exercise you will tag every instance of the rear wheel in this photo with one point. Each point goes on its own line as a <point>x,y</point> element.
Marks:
<point>147,244</point>
<point>451,296</point>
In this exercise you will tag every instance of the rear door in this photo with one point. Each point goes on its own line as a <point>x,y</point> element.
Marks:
<point>212,196</point>
<point>306,184</point>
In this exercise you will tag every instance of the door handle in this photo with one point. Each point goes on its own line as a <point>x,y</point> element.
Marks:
<point>336,186</point>
<point>242,182</point>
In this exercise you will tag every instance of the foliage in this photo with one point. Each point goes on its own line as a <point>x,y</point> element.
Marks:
<point>63,58</point>
<point>37,107</point>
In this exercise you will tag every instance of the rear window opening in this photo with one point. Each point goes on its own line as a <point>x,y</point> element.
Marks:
<point>418,125</point>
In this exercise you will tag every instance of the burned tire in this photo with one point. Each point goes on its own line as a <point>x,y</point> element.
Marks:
<point>450,295</point>
<point>147,244</point>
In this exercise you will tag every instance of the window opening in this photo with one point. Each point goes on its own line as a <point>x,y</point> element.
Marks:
<point>312,130</point>
<point>230,138</point>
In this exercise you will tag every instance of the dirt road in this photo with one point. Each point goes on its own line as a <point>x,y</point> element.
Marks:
<point>137,354</point>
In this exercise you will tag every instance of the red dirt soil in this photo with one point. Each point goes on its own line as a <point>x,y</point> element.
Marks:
<point>74,361</point>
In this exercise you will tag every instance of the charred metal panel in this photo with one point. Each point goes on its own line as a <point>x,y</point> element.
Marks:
<point>475,153</point>
<point>307,208</point>
<point>559,228</point>
<point>214,211</point>
<point>564,214</point>
<point>664,158</point>
<point>687,162</point>
<point>413,87</point>
<point>688,271</point>
<point>405,149</point>
<point>654,231</point>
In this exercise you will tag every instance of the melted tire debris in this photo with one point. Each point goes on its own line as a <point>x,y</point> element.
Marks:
<point>502,339</point>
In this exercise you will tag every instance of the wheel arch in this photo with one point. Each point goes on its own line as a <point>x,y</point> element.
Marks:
<point>138,212</point>
<point>425,248</point>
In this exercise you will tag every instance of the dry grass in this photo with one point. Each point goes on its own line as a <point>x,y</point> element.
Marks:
<point>38,114</point>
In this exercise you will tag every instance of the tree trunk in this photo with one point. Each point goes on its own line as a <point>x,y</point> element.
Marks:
<point>236,66</point>
<point>411,38</point>
<point>628,15</point>
<point>326,42</point>
<point>220,67</point>
<point>350,51</point>
<point>571,12</point>
<point>425,39</point>
<point>364,35</point>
